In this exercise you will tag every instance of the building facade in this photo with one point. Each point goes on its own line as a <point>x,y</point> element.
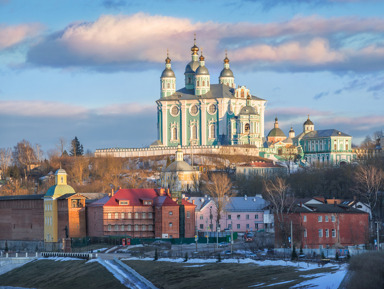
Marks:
<point>329,146</point>
<point>202,113</point>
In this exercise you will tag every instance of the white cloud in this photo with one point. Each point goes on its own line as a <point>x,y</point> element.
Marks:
<point>13,35</point>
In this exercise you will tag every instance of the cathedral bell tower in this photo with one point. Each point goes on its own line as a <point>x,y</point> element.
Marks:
<point>167,79</point>
<point>226,75</point>
<point>202,78</point>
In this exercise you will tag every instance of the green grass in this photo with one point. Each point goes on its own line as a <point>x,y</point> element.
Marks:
<point>223,275</point>
<point>48,274</point>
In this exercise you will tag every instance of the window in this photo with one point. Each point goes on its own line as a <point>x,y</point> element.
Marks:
<point>122,227</point>
<point>230,226</point>
<point>247,226</point>
<point>256,226</point>
<point>247,217</point>
<point>326,233</point>
<point>201,217</point>
<point>238,226</point>
<point>143,215</point>
<point>326,218</point>
<point>150,215</point>
<point>129,228</point>
<point>333,218</point>
<point>305,233</point>
<point>129,215</point>
<point>238,217</point>
<point>304,218</point>
<point>333,233</point>
<point>116,215</point>
<point>212,109</point>
<point>136,215</point>
<point>170,224</point>
<point>143,228</point>
<point>198,83</point>
<point>229,217</point>
<point>170,213</point>
<point>201,226</point>
<point>109,216</point>
<point>208,82</point>
<point>122,215</point>
<point>256,216</point>
<point>174,133</point>
<point>193,131</point>
<point>246,127</point>
<point>320,219</point>
<point>136,227</point>
<point>203,83</point>
<point>168,85</point>
<point>212,131</point>
<point>174,110</point>
<point>150,228</point>
<point>188,214</point>
<point>320,233</point>
<point>116,227</point>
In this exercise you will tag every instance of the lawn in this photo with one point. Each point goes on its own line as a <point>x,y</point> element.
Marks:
<point>170,275</point>
<point>48,274</point>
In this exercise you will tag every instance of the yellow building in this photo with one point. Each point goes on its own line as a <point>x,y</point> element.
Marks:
<point>52,208</point>
<point>180,176</point>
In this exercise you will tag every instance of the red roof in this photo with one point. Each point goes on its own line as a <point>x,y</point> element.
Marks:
<point>133,195</point>
<point>186,203</point>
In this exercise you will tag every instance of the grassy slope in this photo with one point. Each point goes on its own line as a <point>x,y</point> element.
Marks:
<point>60,275</point>
<point>179,275</point>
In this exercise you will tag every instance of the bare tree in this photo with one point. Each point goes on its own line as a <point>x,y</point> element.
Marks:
<point>61,145</point>
<point>369,179</point>
<point>24,156</point>
<point>5,159</point>
<point>219,187</point>
<point>276,191</point>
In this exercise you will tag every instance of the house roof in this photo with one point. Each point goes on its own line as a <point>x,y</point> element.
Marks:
<point>325,208</point>
<point>22,197</point>
<point>164,201</point>
<point>261,165</point>
<point>246,204</point>
<point>133,195</point>
<point>322,133</point>
<point>200,202</point>
<point>216,91</point>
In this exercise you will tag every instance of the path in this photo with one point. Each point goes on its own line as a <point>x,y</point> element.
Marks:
<point>127,276</point>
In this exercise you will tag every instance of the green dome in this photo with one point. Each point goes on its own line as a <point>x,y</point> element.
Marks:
<point>59,190</point>
<point>276,132</point>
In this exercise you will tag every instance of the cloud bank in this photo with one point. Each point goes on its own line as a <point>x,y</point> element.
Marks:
<point>13,35</point>
<point>139,42</point>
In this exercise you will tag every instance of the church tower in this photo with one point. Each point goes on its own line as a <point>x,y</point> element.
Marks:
<point>191,67</point>
<point>167,79</point>
<point>226,75</point>
<point>202,78</point>
<point>308,126</point>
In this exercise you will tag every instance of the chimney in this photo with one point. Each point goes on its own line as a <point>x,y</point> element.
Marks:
<point>193,201</point>
<point>162,192</point>
<point>168,192</point>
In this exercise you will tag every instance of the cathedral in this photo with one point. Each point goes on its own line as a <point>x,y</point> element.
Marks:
<point>206,114</point>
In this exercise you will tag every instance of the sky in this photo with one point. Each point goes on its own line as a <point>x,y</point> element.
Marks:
<point>91,68</point>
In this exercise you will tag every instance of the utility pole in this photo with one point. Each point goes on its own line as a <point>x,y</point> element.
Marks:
<point>291,237</point>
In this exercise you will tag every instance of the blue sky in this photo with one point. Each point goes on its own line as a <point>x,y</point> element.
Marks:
<point>91,68</point>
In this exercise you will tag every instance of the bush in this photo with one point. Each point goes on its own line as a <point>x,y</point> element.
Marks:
<point>367,271</point>
<point>156,256</point>
<point>294,254</point>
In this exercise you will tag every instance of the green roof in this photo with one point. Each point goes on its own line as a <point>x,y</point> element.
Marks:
<point>276,132</point>
<point>59,190</point>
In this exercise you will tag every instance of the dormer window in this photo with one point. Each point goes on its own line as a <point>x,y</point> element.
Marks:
<point>124,203</point>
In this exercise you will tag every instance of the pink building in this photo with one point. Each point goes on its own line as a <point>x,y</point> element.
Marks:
<point>241,214</point>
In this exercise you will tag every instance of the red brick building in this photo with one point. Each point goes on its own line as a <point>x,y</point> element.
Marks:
<point>318,226</point>
<point>141,213</point>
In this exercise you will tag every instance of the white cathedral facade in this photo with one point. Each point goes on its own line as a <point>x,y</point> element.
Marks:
<point>205,114</point>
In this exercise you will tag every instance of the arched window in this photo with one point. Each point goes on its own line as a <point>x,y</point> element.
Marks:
<point>189,80</point>
<point>203,83</point>
<point>242,93</point>
<point>246,127</point>
<point>174,133</point>
<point>168,85</point>
<point>194,131</point>
<point>212,131</point>
<point>162,84</point>
<point>173,86</point>
<point>207,82</point>
<point>198,83</point>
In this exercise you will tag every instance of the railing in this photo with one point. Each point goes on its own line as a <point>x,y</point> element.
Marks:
<point>86,256</point>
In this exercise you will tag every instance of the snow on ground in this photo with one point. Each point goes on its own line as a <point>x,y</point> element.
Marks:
<point>100,250</point>
<point>326,280</point>
<point>190,266</point>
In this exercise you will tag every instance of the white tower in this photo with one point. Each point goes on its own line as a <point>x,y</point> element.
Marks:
<point>167,79</point>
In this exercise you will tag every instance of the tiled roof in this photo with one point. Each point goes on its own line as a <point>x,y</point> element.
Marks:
<point>133,195</point>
